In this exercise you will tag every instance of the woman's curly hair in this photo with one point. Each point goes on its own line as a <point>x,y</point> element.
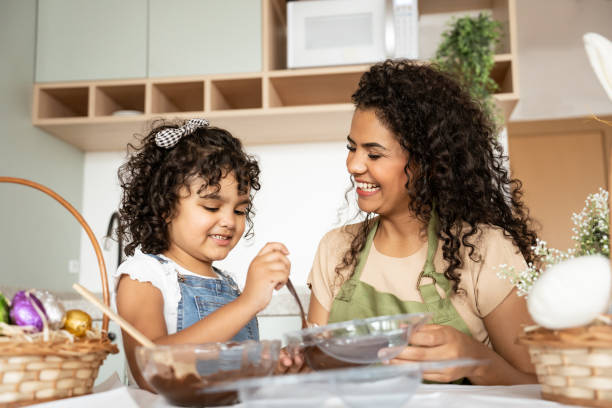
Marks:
<point>153,176</point>
<point>455,161</point>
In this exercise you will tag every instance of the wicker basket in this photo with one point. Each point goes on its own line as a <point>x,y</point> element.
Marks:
<point>574,366</point>
<point>53,366</point>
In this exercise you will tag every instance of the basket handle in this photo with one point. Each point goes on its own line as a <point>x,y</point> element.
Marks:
<point>83,223</point>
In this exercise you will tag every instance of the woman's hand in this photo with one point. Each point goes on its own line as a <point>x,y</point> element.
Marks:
<point>507,363</point>
<point>269,270</point>
<point>436,342</point>
<point>288,364</point>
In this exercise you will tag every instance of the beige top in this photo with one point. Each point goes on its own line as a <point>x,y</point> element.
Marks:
<point>482,292</point>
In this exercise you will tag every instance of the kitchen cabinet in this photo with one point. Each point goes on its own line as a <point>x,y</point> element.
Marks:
<point>90,40</point>
<point>269,104</point>
<point>194,37</point>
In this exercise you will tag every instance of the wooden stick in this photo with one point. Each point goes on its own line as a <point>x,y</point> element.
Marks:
<point>131,330</point>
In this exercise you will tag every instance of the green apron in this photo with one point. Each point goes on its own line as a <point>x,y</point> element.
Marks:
<point>358,300</point>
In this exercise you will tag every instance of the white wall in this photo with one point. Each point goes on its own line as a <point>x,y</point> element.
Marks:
<point>303,187</point>
<point>555,78</point>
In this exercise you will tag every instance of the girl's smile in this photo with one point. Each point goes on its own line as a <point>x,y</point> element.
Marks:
<point>222,240</point>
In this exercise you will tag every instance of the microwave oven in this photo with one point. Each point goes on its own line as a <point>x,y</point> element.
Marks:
<point>341,32</point>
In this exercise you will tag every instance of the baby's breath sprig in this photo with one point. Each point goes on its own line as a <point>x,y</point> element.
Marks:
<point>590,234</point>
<point>592,226</point>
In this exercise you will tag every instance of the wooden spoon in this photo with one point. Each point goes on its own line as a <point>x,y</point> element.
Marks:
<point>132,331</point>
<point>297,299</point>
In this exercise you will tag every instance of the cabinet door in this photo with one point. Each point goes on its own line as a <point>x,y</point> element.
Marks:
<point>558,169</point>
<point>195,37</point>
<point>91,39</point>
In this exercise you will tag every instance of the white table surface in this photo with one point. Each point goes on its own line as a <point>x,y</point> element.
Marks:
<point>112,393</point>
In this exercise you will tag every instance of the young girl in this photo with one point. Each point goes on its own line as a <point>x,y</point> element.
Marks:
<point>425,159</point>
<point>187,195</point>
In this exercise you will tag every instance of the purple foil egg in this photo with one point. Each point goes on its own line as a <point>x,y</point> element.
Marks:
<point>19,296</point>
<point>23,312</point>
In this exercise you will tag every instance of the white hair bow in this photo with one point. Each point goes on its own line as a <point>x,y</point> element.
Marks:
<point>169,137</point>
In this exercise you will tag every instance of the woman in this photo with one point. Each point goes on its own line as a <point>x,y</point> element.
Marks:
<point>425,160</point>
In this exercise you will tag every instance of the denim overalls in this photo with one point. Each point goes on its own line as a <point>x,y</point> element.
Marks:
<point>201,296</point>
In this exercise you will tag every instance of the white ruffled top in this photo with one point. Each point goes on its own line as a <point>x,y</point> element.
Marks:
<point>164,276</point>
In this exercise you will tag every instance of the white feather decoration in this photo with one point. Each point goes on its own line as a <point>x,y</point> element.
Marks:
<point>599,51</point>
<point>571,293</point>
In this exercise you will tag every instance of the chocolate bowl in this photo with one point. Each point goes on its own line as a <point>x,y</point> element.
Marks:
<point>184,373</point>
<point>355,342</point>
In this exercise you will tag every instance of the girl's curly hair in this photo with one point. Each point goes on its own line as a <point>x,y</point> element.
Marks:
<point>153,176</point>
<point>454,158</point>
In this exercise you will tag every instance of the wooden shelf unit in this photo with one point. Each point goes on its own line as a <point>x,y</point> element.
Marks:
<point>276,105</point>
<point>176,96</point>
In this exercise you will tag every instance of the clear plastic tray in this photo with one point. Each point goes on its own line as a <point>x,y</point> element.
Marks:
<point>386,386</point>
<point>356,342</point>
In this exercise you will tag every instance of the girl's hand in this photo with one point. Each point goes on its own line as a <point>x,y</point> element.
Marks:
<point>269,270</point>
<point>288,364</point>
<point>438,342</point>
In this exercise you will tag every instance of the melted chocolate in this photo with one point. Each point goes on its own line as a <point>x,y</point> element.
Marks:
<point>318,360</point>
<point>190,390</point>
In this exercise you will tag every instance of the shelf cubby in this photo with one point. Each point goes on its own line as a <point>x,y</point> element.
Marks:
<point>170,97</point>
<point>68,102</point>
<point>230,94</point>
<point>113,98</point>
<point>302,90</point>
<point>502,73</point>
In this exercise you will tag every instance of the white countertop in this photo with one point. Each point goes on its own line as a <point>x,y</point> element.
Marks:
<point>113,393</point>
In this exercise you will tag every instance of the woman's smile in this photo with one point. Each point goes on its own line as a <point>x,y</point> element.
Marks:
<point>365,189</point>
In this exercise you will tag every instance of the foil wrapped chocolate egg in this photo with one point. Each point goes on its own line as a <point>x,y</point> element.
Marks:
<point>27,310</point>
<point>4,309</point>
<point>53,307</point>
<point>77,322</point>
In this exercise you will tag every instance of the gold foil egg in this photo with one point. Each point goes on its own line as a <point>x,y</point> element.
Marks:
<point>77,322</point>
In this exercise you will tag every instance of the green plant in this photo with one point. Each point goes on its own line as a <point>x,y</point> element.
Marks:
<point>467,51</point>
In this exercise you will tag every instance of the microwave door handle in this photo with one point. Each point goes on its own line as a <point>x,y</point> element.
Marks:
<point>389,29</point>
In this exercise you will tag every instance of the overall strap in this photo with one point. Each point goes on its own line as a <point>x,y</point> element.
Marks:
<point>226,278</point>
<point>157,258</point>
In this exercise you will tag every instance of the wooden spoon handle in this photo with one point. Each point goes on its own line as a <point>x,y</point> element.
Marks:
<point>131,330</point>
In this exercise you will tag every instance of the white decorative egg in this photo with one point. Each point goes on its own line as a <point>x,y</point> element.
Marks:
<point>571,293</point>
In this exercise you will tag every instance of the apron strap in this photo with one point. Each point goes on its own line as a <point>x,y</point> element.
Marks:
<point>428,291</point>
<point>348,287</point>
